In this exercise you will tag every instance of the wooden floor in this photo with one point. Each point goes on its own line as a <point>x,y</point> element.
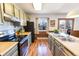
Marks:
<point>39,48</point>
<point>42,34</point>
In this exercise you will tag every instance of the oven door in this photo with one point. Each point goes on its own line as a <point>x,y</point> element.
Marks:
<point>24,46</point>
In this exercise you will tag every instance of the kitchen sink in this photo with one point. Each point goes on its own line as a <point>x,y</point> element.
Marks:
<point>65,37</point>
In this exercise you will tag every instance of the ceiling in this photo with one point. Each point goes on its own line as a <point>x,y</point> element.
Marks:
<point>49,8</point>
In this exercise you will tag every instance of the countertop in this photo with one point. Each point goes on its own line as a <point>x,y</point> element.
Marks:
<point>24,33</point>
<point>6,46</point>
<point>72,46</point>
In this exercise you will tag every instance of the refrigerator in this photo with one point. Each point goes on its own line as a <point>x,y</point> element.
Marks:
<point>30,28</point>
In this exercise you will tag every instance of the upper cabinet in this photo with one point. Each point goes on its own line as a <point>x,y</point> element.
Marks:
<point>8,9</point>
<point>24,16</point>
<point>25,19</point>
<point>21,14</point>
<point>11,12</point>
<point>1,14</point>
<point>16,12</point>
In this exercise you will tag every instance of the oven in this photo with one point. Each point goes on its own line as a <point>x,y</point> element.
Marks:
<point>23,44</point>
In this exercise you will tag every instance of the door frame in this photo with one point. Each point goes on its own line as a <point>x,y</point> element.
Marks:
<point>66,19</point>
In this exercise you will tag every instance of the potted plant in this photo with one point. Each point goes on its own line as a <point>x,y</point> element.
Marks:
<point>56,31</point>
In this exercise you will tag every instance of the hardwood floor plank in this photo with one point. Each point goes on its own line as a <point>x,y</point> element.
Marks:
<point>39,48</point>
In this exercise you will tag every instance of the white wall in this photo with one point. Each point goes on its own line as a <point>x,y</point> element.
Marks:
<point>51,17</point>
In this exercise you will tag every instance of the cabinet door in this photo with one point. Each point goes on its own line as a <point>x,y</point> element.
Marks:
<point>29,40</point>
<point>25,19</point>
<point>21,18</point>
<point>51,44</point>
<point>21,14</point>
<point>12,51</point>
<point>8,9</point>
<point>25,16</point>
<point>16,12</point>
<point>49,41</point>
<point>66,52</point>
<point>1,13</point>
<point>58,51</point>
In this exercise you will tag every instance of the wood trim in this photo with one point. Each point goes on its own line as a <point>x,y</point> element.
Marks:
<point>65,18</point>
<point>75,33</point>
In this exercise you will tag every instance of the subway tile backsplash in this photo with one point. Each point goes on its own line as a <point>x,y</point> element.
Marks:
<point>6,28</point>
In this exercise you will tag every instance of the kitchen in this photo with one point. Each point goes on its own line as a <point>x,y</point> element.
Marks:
<point>25,31</point>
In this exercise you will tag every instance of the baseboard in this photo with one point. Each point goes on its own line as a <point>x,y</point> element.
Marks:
<point>42,37</point>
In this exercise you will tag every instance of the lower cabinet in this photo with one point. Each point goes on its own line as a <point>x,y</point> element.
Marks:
<point>29,39</point>
<point>51,44</point>
<point>57,48</point>
<point>12,52</point>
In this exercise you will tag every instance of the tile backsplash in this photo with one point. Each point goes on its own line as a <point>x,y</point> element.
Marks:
<point>7,28</point>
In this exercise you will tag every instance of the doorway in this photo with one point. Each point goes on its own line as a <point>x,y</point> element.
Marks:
<point>42,27</point>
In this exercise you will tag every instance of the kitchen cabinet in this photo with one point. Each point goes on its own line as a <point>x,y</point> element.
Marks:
<point>1,13</point>
<point>25,16</point>
<point>21,14</point>
<point>12,52</point>
<point>57,48</point>
<point>16,12</point>
<point>29,39</point>
<point>8,48</point>
<point>60,50</point>
<point>8,9</point>
<point>51,44</point>
<point>21,18</point>
<point>24,19</point>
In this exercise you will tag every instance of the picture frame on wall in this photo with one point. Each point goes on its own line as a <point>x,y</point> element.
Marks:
<point>52,23</point>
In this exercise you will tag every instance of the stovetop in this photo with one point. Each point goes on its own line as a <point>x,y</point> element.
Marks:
<point>11,37</point>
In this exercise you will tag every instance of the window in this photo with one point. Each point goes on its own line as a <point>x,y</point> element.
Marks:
<point>65,24</point>
<point>42,23</point>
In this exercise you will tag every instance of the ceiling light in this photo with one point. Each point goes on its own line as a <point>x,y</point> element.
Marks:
<point>37,6</point>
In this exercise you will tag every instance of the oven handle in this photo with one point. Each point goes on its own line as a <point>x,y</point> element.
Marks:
<point>23,40</point>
